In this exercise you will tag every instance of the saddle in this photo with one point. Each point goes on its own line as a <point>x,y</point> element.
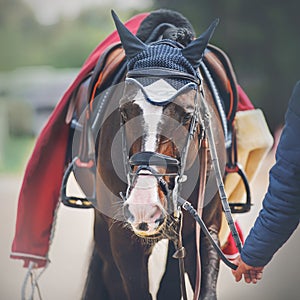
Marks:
<point>218,72</point>
<point>223,75</point>
<point>97,80</point>
<point>217,62</point>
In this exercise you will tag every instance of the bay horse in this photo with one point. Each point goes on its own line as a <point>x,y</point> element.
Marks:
<point>158,113</point>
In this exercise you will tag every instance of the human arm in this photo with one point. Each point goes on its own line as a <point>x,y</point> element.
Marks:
<point>281,205</point>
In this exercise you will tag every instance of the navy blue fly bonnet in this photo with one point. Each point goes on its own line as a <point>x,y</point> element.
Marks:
<point>166,54</point>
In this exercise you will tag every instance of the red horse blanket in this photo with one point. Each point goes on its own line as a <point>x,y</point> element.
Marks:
<point>39,195</point>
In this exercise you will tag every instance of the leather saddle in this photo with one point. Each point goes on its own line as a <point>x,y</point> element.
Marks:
<point>219,68</point>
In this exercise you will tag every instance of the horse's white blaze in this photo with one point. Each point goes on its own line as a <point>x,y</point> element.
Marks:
<point>151,115</point>
<point>158,91</point>
<point>144,202</point>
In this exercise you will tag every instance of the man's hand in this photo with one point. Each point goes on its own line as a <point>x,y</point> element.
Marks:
<point>251,274</point>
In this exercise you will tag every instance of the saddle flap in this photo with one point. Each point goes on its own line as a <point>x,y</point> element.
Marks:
<point>84,95</point>
<point>223,74</point>
<point>105,69</point>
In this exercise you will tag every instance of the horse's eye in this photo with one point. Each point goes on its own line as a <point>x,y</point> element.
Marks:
<point>123,115</point>
<point>186,118</point>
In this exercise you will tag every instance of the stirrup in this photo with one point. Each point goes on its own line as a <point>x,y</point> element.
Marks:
<point>74,201</point>
<point>237,208</point>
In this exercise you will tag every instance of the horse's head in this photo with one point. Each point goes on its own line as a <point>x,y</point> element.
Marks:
<point>160,112</point>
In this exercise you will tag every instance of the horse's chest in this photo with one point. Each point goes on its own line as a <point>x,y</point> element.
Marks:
<point>157,266</point>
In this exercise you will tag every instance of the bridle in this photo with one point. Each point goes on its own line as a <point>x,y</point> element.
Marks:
<point>146,160</point>
<point>141,161</point>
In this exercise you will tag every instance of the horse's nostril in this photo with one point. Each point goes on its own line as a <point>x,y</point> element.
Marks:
<point>156,212</point>
<point>127,214</point>
<point>143,226</point>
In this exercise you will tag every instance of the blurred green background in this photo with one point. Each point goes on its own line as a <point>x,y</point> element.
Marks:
<point>38,60</point>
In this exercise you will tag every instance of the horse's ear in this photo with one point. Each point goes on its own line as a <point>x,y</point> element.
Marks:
<point>194,51</point>
<point>131,44</point>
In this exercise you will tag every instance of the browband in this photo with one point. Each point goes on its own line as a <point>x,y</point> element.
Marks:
<point>162,73</point>
<point>160,102</point>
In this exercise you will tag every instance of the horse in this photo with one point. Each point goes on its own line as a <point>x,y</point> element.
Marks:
<point>159,115</point>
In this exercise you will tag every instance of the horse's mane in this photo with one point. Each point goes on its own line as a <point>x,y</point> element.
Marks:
<point>179,29</point>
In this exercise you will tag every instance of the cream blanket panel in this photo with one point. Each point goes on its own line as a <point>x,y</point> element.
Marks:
<point>254,141</point>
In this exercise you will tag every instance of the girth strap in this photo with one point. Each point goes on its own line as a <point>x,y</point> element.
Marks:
<point>233,166</point>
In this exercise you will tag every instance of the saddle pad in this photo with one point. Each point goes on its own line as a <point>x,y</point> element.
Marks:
<point>254,141</point>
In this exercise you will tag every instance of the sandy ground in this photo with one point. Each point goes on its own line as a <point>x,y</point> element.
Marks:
<point>69,254</point>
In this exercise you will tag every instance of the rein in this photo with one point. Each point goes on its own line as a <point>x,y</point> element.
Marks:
<point>221,188</point>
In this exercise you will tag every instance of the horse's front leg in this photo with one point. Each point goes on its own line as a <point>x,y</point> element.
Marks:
<point>209,267</point>
<point>210,261</point>
<point>131,257</point>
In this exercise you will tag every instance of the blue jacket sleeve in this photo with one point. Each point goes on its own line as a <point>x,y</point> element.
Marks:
<point>280,214</point>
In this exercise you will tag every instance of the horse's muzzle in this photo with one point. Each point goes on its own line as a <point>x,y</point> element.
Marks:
<point>144,219</point>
